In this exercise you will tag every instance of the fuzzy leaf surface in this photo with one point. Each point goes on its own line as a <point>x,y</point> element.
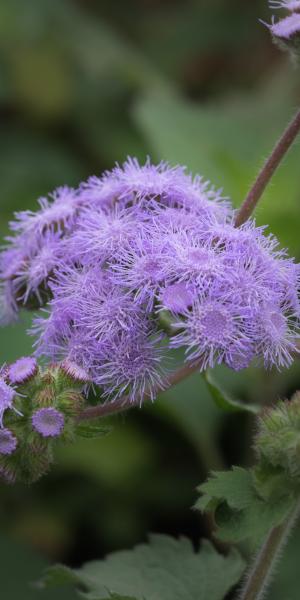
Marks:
<point>164,569</point>
<point>240,511</point>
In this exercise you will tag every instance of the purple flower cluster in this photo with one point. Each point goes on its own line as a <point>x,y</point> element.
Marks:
<point>35,250</point>
<point>138,244</point>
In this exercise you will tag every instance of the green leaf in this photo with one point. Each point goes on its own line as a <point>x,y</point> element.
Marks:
<point>252,523</point>
<point>57,576</point>
<point>61,576</point>
<point>92,430</point>
<point>164,569</point>
<point>225,401</point>
<point>234,486</point>
<point>240,512</point>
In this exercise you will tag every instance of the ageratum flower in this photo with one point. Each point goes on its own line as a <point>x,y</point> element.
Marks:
<point>48,422</point>
<point>22,370</point>
<point>135,249</point>
<point>56,214</point>
<point>286,28</point>
<point>131,364</point>
<point>7,396</point>
<point>8,442</point>
<point>177,297</point>
<point>290,5</point>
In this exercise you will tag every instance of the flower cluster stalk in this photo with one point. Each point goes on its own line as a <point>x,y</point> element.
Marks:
<point>124,403</point>
<point>262,571</point>
<point>271,165</point>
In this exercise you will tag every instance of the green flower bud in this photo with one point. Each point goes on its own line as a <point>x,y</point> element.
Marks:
<point>278,439</point>
<point>69,374</point>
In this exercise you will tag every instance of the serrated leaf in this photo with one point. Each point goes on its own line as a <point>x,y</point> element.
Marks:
<point>91,430</point>
<point>224,401</point>
<point>234,486</point>
<point>59,575</point>
<point>164,569</point>
<point>240,512</point>
<point>252,523</point>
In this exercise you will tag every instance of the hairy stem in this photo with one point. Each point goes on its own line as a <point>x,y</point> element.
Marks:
<point>268,170</point>
<point>124,403</point>
<point>260,575</point>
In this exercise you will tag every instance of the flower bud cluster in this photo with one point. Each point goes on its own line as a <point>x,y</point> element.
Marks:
<point>139,248</point>
<point>38,407</point>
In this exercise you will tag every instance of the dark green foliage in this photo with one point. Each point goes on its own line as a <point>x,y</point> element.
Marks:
<point>224,401</point>
<point>165,569</point>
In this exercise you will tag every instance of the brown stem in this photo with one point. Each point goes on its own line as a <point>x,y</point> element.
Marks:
<point>124,403</point>
<point>262,571</point>
<point>268,170</point>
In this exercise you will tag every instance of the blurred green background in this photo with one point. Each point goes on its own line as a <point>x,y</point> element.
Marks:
<point>84,83</point>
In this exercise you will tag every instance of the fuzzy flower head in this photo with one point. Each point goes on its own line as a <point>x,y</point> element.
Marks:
<point>8,442</point>
<point>177,297</point>
<point>213,331</point>
<point>48,422</point>
<point>290,5</point>
<point>22,370</point>
<point>286,31</point>
<point>56,214</point>
<point>7,395</point>
<point>131,365</point>
<point>135,184</point>
<point>286,28</point>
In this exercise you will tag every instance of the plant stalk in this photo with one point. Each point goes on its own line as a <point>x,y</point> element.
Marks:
<point>260,575</point>
<point>268,170</point>
<point>124,403</point>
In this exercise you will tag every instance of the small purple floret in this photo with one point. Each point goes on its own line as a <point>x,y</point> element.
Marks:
<point>8,442</point>
<point>176,297</point>
<point>7,395</point>
<point>49,422</point>
<point>286,28</point>
<point>22,370</point>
